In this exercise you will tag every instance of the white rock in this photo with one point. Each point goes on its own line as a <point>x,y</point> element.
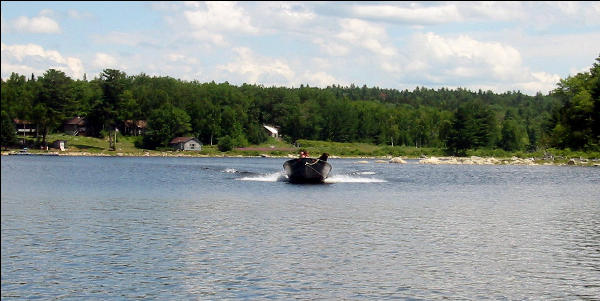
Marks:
<point>397,160</point>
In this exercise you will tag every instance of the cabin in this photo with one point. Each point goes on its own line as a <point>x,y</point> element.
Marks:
<point>75,126</point>
<point>273,131</point>
<point>24,127</point>
<point>186,144</point>
<point>134,127</point>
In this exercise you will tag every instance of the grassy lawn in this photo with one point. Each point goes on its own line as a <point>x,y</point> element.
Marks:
<point>126,146</point>
<point>354,149</point>
<point>95,145</point>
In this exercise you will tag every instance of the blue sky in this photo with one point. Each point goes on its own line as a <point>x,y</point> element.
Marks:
<point>498,46</point>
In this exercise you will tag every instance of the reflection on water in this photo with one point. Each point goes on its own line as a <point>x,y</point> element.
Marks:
<point>185,228</point>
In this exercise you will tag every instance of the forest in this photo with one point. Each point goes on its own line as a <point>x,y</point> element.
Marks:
<point>455,120</point>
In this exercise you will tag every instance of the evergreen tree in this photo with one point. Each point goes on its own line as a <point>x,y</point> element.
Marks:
<point>458,119</point>
<point>54,102</point>
<point>575,123</point>
<point>164,124</point>
<point>8,135</point>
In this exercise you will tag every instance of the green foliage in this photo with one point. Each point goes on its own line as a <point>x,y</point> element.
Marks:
<point>256,134</point>
<point>575,124</point>
<point>226,143</point>
<point>459,121</point>
<point>105,111</point>
<point>513,135</point>
<point>473,127</point>
<point>7,135</point>
<point>365,149</point>
<point>138,141</point>
<point>164,124</point>
<point>53,103</point>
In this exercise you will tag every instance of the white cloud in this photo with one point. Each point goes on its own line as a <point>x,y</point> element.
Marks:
<point>40,24</point>
<point>319,79</point>
<point>131,39</point>
<point>214,38</point>
<point>78,15</point>
<point>538,15</point>
<point>587,13</point>
<point>181,58</point>
<point>466,57</point>
<point>20,52</point>
<point>508,45</point>
<point>4,26</point>
<point>564,14</point>
<point>566,7</point>
<point>34,57</point>
<point>366,35</point>
<point>104,61</point>
<point>331,48</point>
<point>210,20</point>
<point>222,16</point>
<point>574,71</point>
<point>414,14</point>
<point>293,13</point>
<point>492,11</point>
<point>595,9</point>
<point>249,67</point>
<point>257,69</point>
<point>283,16</point>
<point>464,61</point>
<point>539,82</point>
<point>74,66</point>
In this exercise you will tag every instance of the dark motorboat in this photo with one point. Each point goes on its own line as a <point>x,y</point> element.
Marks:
<point>307,170</point>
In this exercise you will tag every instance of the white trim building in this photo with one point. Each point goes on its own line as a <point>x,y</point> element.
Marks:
<point>186,144</point>
<point>273,131</point>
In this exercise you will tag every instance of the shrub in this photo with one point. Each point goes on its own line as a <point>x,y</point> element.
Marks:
<point>225,143</point>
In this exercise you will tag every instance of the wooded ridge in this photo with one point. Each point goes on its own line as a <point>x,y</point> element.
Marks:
<point>455,120</point>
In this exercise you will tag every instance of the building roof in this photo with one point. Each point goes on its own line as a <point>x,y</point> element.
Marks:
<point>19,121</point>
<point>138,123</point>
<point>182,140</point>
<point>271,129</point>
<point>76,120</point>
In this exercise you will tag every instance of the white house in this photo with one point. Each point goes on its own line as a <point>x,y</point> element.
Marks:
<point>273,132</point>
<point>186,143</point>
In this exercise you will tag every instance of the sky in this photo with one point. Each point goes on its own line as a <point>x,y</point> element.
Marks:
<point>497,46</point>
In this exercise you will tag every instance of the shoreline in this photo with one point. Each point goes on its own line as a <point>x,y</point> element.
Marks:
<point>432,160</point>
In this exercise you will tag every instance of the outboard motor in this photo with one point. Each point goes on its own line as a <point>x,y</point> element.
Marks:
<point>324,157</point>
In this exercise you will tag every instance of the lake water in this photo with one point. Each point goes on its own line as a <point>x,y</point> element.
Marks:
<point>113,228</point>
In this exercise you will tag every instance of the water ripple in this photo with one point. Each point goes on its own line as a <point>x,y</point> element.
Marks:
<point>189,229</point>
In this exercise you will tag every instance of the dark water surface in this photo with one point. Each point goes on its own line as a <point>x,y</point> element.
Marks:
<point>227,228</point>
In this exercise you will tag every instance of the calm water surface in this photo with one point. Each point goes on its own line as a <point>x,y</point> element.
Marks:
<point>232,228</point>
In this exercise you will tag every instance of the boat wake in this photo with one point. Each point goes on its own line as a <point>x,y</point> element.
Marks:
<point>239,172</point>
<point>274,177</point>
<point>352,179</point>
<point>281,177</point>
<point>364,173</point>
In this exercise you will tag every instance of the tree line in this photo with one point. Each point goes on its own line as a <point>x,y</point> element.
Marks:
<point>453,119</point>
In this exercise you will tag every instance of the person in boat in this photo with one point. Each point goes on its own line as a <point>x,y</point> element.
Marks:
<point>303,154</point>
<point>324,157</point>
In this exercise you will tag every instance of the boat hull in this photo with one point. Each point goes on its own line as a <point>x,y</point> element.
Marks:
<point>306,170</point>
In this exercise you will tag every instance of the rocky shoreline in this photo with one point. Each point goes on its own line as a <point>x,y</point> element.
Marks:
<point>473,160</point>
